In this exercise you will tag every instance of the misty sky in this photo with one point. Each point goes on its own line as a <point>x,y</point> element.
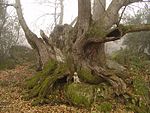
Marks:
<point>37,15</point>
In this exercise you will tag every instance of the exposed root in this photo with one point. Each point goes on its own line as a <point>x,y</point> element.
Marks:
<point>118,84</point>
<point>44,84</point>
<point>40,101</point>
<point>40,76</point>
<point>41,85</point>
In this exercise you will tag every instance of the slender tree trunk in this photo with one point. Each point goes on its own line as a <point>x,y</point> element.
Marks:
<point>55,13</point>
<point>61,12</point>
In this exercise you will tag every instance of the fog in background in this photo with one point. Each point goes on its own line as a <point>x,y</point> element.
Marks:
<point>38,15</point>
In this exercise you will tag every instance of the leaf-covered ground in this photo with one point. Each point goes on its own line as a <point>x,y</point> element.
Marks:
<point>11,82</point>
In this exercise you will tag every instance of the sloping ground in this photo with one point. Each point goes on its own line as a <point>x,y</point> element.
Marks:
<point>11,82</point>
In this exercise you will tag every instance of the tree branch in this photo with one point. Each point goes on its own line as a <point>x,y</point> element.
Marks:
<point>74,21</point>
<point>121,30</point>
<point>134,28</point>
<point>21,18</point>
<point>117,4</point>
<point>61,12</point>
<point>37,43</point>
<point>111,16</point>
<point>6,4</point>
<point>127,2</point>
<point>46,39</point>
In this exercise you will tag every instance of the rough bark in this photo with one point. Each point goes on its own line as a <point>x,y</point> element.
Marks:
<point>121,30</point>
<point>43,51</point>
<point>111,15</point>
<point>98,10</point>
<point>81,27</point>
<point>79,49</point>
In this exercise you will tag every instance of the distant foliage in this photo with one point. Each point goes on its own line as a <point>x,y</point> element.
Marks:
<point>18,55</point>
<point>136,58</point>
<point>139,43</point>
<point>137,51</point>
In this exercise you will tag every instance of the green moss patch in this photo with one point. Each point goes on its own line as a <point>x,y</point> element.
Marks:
<point>40,76</point>
<point>103,92</point>
<point>42,84</point>
<point>140,87</point>
<point>96,31</point>
<point>104,107</point>
<point>80,94</point>
<point>140,96</point>
<point>86,76</point>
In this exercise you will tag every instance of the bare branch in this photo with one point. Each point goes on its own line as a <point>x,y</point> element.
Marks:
<point>6,4</point>
<point>121,16</point>
<point>121,30</point>
<point>74,21</point>
<point>134,28</point>
<point>46,39</point>
<point>44,36</point>
<point>21,18</point>
<point>37,43</point>
<point>111,17</point>
<point>61,11</point>
<point>127,2</point>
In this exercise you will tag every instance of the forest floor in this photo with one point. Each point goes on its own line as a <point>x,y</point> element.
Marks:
<point>11,87</point>
<point>11,82</point>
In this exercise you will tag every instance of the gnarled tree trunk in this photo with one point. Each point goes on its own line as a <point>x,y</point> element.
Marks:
<point>78,50</point>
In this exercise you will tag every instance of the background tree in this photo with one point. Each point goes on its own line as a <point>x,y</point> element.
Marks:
<point>3,15</point>
<point>135,53</point>
<point>56,12</point>
<point>9,31</point>
<point>138,43</point>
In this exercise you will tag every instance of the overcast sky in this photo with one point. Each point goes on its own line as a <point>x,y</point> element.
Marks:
<point>34,12</point>
<point>38,15</point>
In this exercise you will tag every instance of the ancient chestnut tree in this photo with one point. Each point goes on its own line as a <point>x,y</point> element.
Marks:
<point>78,51</point>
